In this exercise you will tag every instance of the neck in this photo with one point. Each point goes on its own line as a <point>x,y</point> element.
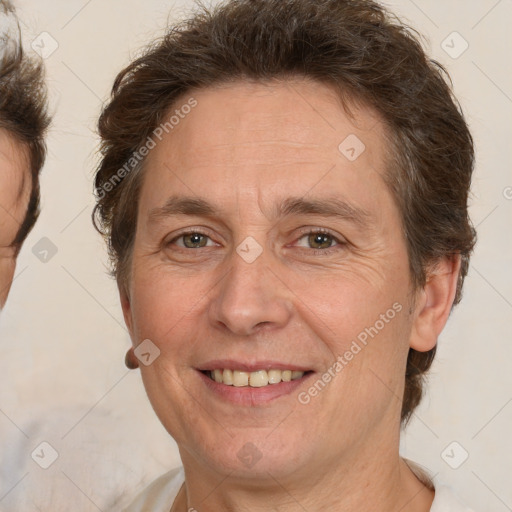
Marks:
<point>366,479</point>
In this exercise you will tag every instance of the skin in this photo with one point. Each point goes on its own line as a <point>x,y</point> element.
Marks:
<point>259,144</point>
<point>15,186</point>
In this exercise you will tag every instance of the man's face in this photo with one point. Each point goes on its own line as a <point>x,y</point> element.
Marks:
<point>258,289</point>
<point>15,183</point>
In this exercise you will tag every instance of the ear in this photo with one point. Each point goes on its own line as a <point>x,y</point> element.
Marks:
<point>124,296</point>
<point>434,303</point>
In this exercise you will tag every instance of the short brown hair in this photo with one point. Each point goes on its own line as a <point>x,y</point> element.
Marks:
<point>23,108</point>
<point>354,45</point>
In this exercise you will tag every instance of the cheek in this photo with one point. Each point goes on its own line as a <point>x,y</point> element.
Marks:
<point>367,376</point>
<point>345,302</point>
<point>370,328</point>
<point>338,304</point>
<point>365,327</point>
<point>163,302</point>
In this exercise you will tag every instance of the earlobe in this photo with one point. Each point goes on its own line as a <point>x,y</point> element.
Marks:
<point>434,303</point>
<point>130,359</point>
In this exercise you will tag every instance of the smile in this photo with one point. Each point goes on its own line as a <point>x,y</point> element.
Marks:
<point>256,379</point>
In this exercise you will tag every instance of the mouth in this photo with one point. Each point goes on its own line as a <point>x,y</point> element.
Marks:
<point>255,384</point>
<point>254,379</point>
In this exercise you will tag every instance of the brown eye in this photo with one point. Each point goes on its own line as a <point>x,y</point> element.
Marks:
<point>194,240</point>
<point>320,240</point>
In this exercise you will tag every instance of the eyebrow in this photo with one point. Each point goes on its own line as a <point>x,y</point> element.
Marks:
<point>324,207</point>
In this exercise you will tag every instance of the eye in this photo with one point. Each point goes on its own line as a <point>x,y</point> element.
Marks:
<point>191,240</point>
<point>320,241</point>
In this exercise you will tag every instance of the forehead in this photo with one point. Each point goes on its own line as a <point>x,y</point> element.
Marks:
<point>254,136</point>
<point>14,186</point>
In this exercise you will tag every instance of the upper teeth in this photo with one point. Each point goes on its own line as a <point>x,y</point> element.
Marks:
<point>254,379</point>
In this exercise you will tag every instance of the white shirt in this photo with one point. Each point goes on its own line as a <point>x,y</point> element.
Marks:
<point>159,496</point>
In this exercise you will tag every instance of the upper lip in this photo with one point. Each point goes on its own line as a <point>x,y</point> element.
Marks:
<point>230,364</point>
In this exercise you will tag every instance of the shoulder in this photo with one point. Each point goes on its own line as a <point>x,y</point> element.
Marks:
<point>446,500</point>
<point>160,494</point>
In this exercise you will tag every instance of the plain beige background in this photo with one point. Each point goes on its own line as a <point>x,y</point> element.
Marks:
<point>62,336</point>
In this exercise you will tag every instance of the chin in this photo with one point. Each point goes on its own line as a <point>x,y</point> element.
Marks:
<point>260,455</point>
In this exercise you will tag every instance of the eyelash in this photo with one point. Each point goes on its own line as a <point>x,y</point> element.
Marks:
<point>322,231</point>
<point>303,232</point>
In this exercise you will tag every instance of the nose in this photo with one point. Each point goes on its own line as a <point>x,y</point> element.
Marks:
<point>251,297</point>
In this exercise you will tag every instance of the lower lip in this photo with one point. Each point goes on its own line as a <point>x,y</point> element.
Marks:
<point>249,396</point>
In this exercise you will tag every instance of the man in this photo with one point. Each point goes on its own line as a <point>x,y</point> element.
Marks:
<point>23,122</point>
<point>283,188</point>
